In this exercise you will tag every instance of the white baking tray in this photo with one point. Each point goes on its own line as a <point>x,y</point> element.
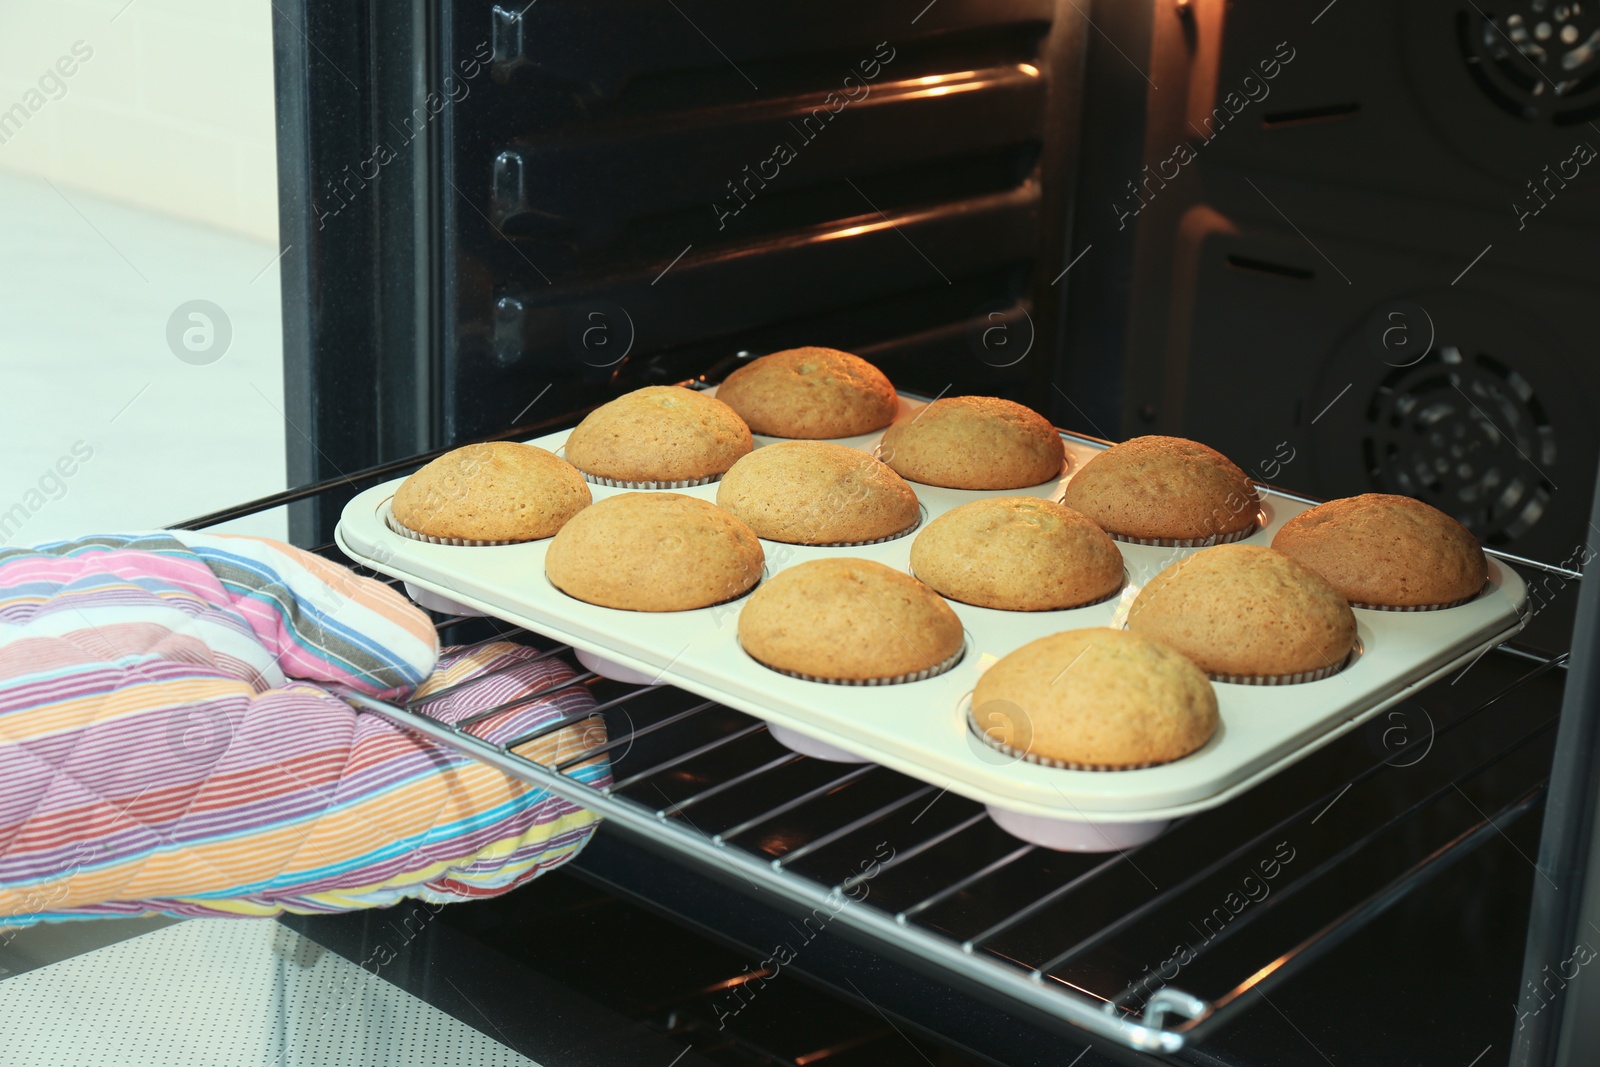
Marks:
<point>920,728</point>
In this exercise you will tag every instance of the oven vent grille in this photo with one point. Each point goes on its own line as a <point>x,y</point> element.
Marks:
<point>1471,437</point>
<point>1536,59</point>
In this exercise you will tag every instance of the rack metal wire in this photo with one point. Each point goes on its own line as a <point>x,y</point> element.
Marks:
<point>1081,941</point>
<point>685,754</point>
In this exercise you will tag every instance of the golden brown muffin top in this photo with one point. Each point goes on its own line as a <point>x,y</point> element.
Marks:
<point>1246,610</point>
<point>498,491</point>
<point>1164,487</point>
<point>660,433</point>
<point>974,442</point>
<point>817,493</point>
<point>810,393</point>
<point>848,619</point>
<point>654,552</point>
<point>1017,553</point>
<point>1390,551</point>
<point>1097,697</point>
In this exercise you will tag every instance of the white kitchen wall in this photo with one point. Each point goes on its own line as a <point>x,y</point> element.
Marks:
<point>169,106</point>
<point>137,178</point>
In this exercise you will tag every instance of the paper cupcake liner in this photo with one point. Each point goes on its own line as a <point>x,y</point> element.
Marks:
<point>1417,607</point>
<point>1105,599</point>
<point>1066,465</point>
<point>1050,761</point>
<point>1188,542</point>
<point>899,679</point>
<point>618,483</point>
<point>404,531</point>
<point>737,596</point>
<point>1284,679</point>
<point>857,544</point>
<point>1041,611</point>
<point>640,611</point>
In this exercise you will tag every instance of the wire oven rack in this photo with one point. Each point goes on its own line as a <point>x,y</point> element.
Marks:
<point>1142,948</point>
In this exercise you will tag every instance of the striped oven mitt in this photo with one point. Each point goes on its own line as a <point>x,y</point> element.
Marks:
<point>171,738</point>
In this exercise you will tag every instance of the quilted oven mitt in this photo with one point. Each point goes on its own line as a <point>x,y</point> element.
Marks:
<point>171,739</point>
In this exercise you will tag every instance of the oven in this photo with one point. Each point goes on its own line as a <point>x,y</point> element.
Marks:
<point>1281,231</point>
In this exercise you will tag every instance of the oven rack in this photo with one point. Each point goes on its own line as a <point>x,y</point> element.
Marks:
<point>700,781</point>
<point>671,824</point>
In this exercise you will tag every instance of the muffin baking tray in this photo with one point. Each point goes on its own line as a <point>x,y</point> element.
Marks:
<point>921,728</point>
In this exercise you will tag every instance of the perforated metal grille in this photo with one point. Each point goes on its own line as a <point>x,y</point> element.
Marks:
<point>1537,59</point>
<point>1467,434</point>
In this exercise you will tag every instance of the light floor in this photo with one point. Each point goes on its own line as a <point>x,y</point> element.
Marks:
<point>87,287</point>
<point>222,992</point>
<point>90,385</point>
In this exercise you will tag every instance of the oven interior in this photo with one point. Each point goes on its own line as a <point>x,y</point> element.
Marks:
<point>1111,212</point>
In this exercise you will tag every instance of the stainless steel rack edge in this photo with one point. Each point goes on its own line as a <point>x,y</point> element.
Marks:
<point>772,876</point>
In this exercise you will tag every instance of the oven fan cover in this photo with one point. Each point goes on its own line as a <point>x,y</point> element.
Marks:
<point>1467,434</point>
<point>1507,87</point>
<point>1478,418</point>
<point>1538,60</point>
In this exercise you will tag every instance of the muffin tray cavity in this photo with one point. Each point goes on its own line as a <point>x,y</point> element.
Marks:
<point>920,728</point>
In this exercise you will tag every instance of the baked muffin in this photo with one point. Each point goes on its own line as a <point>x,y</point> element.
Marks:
<point>1248,614</point>
<point>818,493</point>
<point>654,552</point>
<point>974,442</point>
<point>494,493</point>
<point>850,621</point>
<point>810,393</point>
<point>1165,491</point>
<point>658,437</point>
<point>1017,553</point>
<point>1096,699</point>
<point>1390,552</point>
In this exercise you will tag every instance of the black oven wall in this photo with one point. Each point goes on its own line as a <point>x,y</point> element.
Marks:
<point>1363,252</point>
<point>1346,247</point>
